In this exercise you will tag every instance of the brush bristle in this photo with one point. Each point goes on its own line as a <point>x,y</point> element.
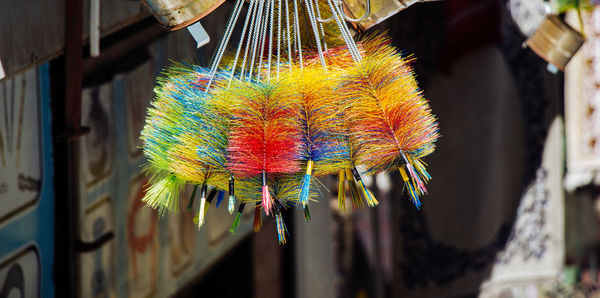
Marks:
<point>388,116</point>
<point>264,135</point>
<point>162,192</point>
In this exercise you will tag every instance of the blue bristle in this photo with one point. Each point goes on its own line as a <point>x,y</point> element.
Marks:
<point>220,198</point>
<point>413,195</point>
<point>304,190</point>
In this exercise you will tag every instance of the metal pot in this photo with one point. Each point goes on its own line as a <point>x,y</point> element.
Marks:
<point>555,41</point>
<point>176,14</point>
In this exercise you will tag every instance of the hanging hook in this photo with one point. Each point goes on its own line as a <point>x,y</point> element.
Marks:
<point>322,20</point>
<point>364,16</point>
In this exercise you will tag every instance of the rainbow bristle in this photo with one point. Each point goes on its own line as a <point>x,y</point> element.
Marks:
<point>163,122</point>
<point>200,151</point>
<point>277,127</point>
<point>320,125</point>
<point>179,93</point>
<point>319,120</point>
<point>388,116</point>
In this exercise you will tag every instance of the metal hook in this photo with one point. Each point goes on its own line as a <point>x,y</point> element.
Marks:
<point>346,17</point>
<point>322,20</point>
<point>364,16</point>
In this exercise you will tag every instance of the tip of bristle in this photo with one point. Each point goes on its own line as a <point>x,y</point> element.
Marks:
<point>341,190</point>
<point>163,194</point>
<point>201,212</point>
<point>281,229</point>
<point>191,200</point>
<point>307,214</point>
<point>417,203</point>
<point>357,202</point>
<point>304,191</point>
<point>369,197</point>
<point>257,224</point>
<point>220,198</point>
<point>235,223</point>
<point>231,204</point>
<point>267,203</point>
<point>414,197</point>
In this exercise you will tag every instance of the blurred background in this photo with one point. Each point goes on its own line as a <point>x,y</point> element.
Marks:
<point>512,209</point>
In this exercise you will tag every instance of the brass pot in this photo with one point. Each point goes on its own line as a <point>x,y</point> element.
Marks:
<point>176,14</point>
<point>379,12</point>
<point>555,41</point>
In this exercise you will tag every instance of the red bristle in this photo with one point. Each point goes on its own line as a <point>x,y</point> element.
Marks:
<point>264,136</point>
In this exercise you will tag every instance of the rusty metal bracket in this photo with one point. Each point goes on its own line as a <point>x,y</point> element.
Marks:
<point>72,128</point>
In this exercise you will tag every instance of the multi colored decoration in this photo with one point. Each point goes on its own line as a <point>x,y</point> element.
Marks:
<point>279,115</point>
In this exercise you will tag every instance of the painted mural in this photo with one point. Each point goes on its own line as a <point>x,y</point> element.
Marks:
<point>26,186</point>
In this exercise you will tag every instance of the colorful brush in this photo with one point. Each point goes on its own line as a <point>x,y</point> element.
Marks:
<point>264,138</point>
<point>390,122</point>
<point>163,126</point>
<point>274,124</point>
<point>321,130</point>
<point>199,155</point>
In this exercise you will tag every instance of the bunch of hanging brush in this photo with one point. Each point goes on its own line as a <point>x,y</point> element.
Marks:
<point>295,100</point>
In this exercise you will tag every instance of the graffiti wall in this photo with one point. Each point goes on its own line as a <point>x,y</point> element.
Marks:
<point>26,186</point>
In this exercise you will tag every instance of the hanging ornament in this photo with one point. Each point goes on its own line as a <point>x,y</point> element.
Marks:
<point>296,100</point>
